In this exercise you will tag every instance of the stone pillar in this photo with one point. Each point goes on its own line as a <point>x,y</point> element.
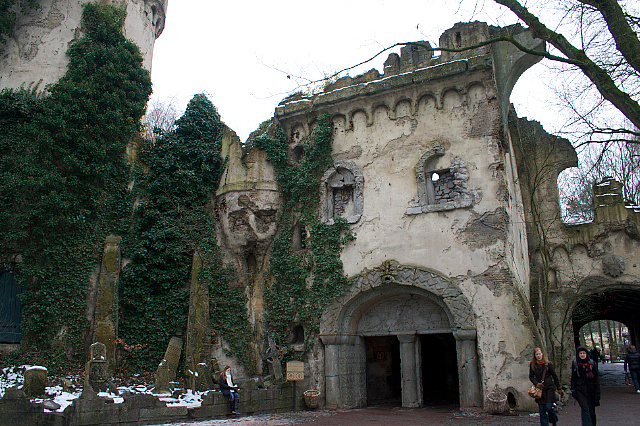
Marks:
<point>198,324</point>
<point>470,393</point>
<point>106,313</point>
<point>334,368</point>
<point>408,370</point>
<point>172,355</point>
<point>331,370</point>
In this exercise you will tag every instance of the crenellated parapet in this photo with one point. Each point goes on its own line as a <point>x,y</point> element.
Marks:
<point>417,77</point>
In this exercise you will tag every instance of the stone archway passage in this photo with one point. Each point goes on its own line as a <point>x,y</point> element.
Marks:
<point>620,305</point>
<point>406,303</point>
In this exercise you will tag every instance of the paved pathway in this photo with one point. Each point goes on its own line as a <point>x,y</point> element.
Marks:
<point>620,406</point>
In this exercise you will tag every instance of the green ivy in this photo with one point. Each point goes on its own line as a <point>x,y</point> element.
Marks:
<point>175,179</point>
<point>304,281</point>
<point>64,176</point>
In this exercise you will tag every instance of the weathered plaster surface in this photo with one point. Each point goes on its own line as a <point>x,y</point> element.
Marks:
<point>41,38</point>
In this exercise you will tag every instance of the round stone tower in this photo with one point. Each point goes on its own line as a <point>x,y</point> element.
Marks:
<point>36,50</point>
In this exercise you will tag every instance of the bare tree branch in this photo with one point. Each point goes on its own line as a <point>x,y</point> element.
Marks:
<point>598,76</point>
<point>626,39</point>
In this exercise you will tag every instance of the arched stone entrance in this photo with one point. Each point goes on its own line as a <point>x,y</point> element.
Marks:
<point>405,302</point>
<point>617,304</point>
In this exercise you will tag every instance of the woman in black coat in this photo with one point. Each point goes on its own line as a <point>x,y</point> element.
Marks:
<point>543,376</point>
<point>229,389</point>
<point>585,386</point>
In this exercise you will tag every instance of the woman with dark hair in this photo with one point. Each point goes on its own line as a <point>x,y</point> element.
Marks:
<point>229,389</point>
<point>543,376</point>
<point>585,386</point>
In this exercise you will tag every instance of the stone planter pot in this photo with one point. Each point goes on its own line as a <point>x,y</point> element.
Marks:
<point>496,403</point>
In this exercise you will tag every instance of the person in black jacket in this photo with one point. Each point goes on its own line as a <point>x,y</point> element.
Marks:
<point>633,361</point>
<point>585,386</point>
<point>543,376</point>
<point>229,389</point>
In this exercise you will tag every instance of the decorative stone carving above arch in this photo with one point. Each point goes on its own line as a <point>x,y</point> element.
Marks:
<point>341,192</point>
<point>390,279</point>
<point>404,314</point>
<point>440,188</point>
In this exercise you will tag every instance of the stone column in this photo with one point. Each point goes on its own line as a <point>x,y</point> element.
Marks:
<point>198,348</point>
<point>470,393</point>
<point>408,370</point>
<point>106,313</point>
<point>333,368</point>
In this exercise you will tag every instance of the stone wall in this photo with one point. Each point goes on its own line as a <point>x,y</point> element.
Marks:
<point>138,409</point>
<point>41,38</point>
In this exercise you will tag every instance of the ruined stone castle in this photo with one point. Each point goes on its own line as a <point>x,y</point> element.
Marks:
<point>462,264</point>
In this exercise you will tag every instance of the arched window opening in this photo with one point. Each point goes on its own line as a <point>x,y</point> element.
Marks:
<point>341,193</point>
<point>440,188</point>
<point>252,266</point>
<point>299,238</point>
<point>296,338</point>
<point>297,154</point>
<point>342,185</point>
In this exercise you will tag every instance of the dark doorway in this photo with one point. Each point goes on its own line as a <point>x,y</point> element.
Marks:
<point>439,370</point>
<point>10,307</point>
<point>384,386</point>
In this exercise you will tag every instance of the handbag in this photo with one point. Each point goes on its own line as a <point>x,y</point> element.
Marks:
<point>534,391</point>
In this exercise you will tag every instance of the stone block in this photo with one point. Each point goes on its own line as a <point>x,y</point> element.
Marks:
<point>14,400</point>
<point>127,414</point>
<point>203,380</point>
<point>35,381</point>
<point>207,398</point>
<point>143,401</point>
<point>88,402</point>
<point>162,378</point>
<point>219,398</point>
<point>163,414</point>
<point>208,411</point>
<point>99,417</point>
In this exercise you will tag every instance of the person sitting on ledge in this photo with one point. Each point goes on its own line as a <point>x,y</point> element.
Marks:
<point>229,389</point>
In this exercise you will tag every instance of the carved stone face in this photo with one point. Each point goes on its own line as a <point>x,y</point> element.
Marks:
<point>247,218</point>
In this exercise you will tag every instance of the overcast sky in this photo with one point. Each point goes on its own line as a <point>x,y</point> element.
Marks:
<point>240,52</point>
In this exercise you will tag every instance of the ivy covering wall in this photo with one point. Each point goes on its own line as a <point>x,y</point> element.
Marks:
<point>176,178</point>
<point>306,278</point>
<point>63,180</point>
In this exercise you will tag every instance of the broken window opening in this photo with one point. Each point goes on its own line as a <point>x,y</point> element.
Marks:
<point>297,154</point>
<point>341,193</point>
<point>440,188</point>
<point>299,238</point>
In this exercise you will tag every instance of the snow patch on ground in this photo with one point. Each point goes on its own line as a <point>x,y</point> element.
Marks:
<point>14,377</point>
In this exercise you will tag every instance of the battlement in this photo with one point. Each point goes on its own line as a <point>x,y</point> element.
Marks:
<point>609,204</point>
<point>416,63</point>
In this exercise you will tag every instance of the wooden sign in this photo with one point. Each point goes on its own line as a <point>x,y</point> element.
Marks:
<point>295,370</point>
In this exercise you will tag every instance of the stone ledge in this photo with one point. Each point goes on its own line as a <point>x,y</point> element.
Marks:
<point>393,82</point>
